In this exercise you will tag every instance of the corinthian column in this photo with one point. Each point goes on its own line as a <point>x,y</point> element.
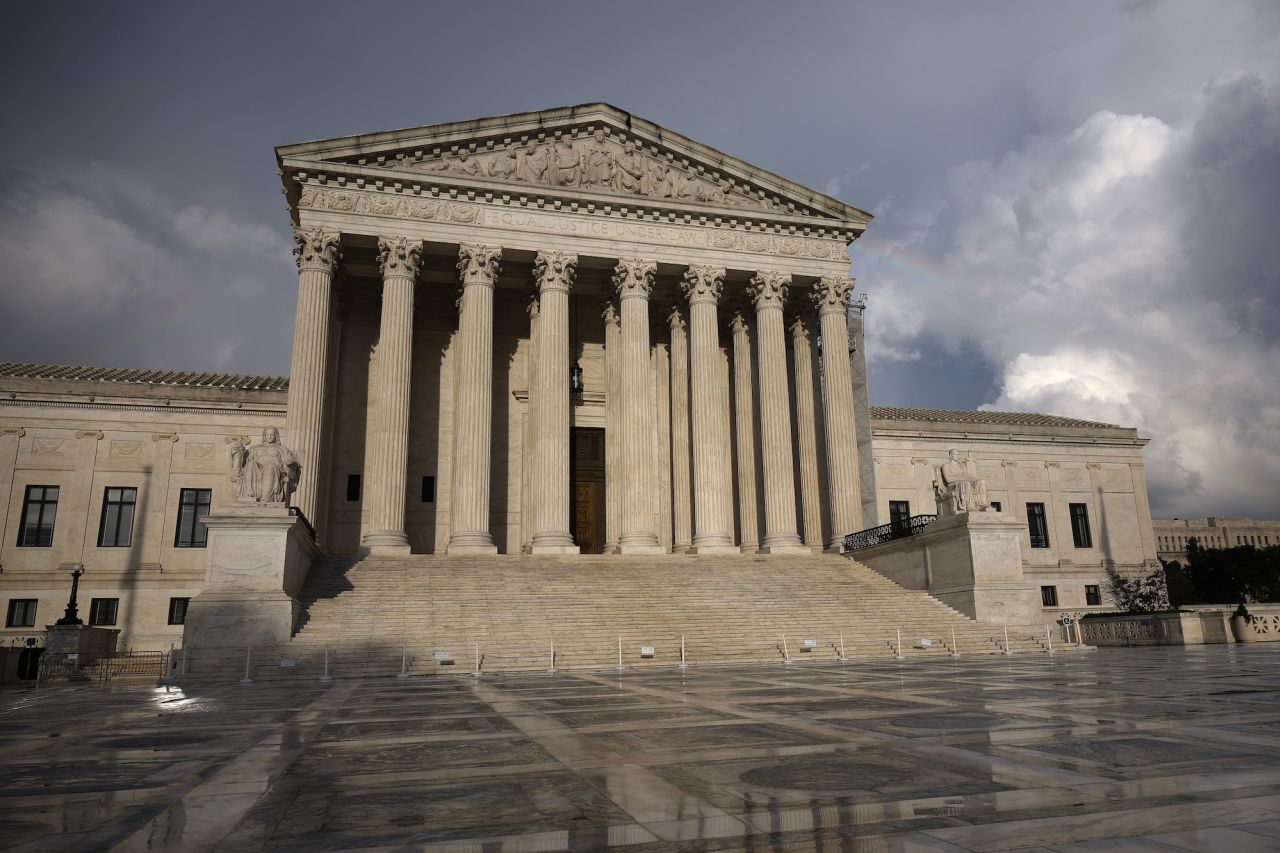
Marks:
<point>400,259</point>
<point>712,506</point>
<point>473,401</point>
<point>553,272</point>
<point>681,475</point>
<point>612,426</point>
<point>744,432</point>
<point>317,255</point>
<point>633,279</point>
<point>831,295</point>
<point>769,291</point>
<point>807,428</point>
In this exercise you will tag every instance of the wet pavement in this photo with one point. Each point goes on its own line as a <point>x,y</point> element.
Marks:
<point>1126,749</point>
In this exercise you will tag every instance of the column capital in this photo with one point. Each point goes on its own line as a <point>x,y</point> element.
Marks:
<point>478,263</point>
<point>800,325</point>
<point>831,294</point>
<point>316,249</point>
<point>633,278</point>
<point>739,322</point>
<point>609,312</point>
<point>703,284</point>
<point>768,289</point>
<point>554,271</point>
<point>676,318</point>
<point>399,256</point>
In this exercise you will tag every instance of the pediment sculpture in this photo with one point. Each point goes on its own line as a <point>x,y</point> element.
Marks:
<point>597,163</point>
<point>267,472</point>
<point>957,488</point>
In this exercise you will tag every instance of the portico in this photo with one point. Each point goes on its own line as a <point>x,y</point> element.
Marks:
<point>452,277</point>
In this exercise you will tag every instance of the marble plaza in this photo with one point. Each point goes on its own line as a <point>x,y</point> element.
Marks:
<point>1088,752</point>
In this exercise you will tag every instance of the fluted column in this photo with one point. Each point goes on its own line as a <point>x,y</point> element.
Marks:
<point>710,429</point>
<point>400,259</point>
<point>769,292</point>
<point>831,295</point>
<point>473,402</point>
<point>745,433</point>
<point>612,426</point>
<point>554,273</point>
<point>681,470</point>
<point>317,254</point>
<point>806,423</point>
<point>633,279</point>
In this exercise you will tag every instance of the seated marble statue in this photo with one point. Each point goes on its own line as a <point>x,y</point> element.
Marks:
<point>266,472</point>
<point>957,487</point>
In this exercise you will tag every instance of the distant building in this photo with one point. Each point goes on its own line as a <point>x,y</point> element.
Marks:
<point>1173,535</point>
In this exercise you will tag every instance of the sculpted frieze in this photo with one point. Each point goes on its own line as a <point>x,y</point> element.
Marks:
<point>398,206</point>
<point>599,163</point>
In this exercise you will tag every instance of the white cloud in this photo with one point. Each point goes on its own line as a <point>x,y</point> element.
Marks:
<point>100,268</point>
<point>1122,270</point>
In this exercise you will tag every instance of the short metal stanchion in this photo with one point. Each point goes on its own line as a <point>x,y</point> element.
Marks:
<point>684,664</point>
<point>184,658</point>
<point>786,655</point>
<point>476,673</point>
<point>326,678</point>
<point>621,668</point>
<point>404,663</point>
<point>553,657</point>
<point>167,678</point>
<point>1048,635</point>
<point>842,656</point>
<point>898,655</point>
<point>1006,642</point>
<point>955,649</point>
<point>248,655</point>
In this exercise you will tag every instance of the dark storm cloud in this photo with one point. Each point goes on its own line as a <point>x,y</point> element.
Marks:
<point>1072,200</point>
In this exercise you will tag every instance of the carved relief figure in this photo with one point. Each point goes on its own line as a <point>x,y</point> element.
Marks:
<point>628,170</point>
<point>502,164</point>
<point>957,487</point>
<point>531,164</point>
<point>597,163</point>
<point>566,163</point>
<point>265,473</point>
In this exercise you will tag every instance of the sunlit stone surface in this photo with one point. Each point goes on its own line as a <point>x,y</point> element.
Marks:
<point>1126,749</point>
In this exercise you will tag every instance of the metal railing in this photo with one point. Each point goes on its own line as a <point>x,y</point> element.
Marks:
<point>887,532</point>
<point>302,516</point>
<point>119,666</point>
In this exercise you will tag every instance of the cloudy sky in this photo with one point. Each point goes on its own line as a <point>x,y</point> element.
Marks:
<point>1077,204</point>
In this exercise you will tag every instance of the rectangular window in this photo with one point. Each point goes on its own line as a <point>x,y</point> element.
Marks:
<point>39,509</point>
<point>1049,596</point>
<point>193,505</point>
<point>899,516</point>
<point>1037,526</point>
<point>22,613</point>
<point>102,611</point>
<point>1080,526</point>
<point>353,488</point>
<point>178,610</point>
<point>428,490</point>
<point>996,506</point>
<point>115,530</point>
<point>1092,595</point>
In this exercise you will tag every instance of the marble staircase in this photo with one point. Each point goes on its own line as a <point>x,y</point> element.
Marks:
<point>371,613</point>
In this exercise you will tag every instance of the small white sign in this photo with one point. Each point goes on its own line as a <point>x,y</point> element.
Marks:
<point>646,651</point>
<point>287,663</point>
<point>810,644</point>
<point>924,644</point>
<point>1067,620</point>
<point>443,656</point>
<point>73,656</point>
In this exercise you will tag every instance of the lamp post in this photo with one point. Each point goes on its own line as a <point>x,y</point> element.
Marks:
<point>70,617</point>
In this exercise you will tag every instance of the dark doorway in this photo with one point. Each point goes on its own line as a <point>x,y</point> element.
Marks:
<point>587,486</point>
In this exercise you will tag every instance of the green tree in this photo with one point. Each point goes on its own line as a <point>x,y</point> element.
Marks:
<point>1138,593</point>
<point>1225,575</point>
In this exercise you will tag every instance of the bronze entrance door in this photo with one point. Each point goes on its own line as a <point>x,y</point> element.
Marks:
<point>587,473</point>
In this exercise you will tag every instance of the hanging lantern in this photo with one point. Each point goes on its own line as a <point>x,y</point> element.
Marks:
<point>575,378</point>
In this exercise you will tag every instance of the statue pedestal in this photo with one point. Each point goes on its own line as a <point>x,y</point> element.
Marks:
<point>258,558</point>
<point>971,562</point>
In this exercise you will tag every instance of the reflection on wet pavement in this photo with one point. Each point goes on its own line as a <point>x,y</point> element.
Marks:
<point>1126,749</point>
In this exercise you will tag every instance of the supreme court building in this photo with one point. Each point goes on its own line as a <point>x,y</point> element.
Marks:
<point>559,332</point>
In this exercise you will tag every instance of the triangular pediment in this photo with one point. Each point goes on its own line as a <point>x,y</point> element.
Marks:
<point>596,152</point>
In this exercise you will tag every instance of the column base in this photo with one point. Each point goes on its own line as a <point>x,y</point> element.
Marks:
<point>475,542</point>
<point>554,547</point>
<point>717,548</point>
<point>389,542</point>
<point>640,543</point>
<point>785,545</point>
<point>750,548</point>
